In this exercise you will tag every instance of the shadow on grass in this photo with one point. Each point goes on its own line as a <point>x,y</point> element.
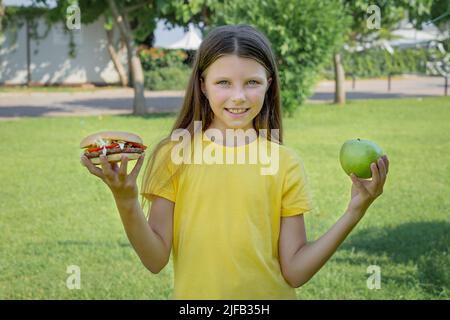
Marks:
<point>425,244</point>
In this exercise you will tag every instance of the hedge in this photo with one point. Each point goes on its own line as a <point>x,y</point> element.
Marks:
<point>379,62</point>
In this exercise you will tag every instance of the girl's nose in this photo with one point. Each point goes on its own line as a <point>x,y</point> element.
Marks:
<point>238,96</point>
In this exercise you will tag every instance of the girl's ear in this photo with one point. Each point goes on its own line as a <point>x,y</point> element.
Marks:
<point>269,81</point>
<point>202,86</point>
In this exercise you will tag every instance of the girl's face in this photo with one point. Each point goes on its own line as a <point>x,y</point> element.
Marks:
<point>235,88</point>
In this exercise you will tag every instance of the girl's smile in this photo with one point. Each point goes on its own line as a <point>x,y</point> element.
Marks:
<point>237,112</point>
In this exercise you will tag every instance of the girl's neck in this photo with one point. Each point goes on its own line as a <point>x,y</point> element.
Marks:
<point>239,133</point>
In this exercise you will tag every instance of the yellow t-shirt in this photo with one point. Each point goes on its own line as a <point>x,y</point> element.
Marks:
<point>227,221</point>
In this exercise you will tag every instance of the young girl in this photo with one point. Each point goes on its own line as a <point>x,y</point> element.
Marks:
<point>235,233</point>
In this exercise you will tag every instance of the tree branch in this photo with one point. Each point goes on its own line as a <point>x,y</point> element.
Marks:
<point>137,6</point>
<point>119,18</point>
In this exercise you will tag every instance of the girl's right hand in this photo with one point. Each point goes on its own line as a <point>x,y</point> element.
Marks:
<point>123,186</point>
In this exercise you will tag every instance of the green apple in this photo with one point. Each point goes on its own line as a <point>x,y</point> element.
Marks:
<point>356,155</point>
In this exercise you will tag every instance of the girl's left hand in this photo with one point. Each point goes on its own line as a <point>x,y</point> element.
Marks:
<point>364,192</point>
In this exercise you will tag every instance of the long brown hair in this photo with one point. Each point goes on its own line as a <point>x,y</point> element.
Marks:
<point>244,41</point>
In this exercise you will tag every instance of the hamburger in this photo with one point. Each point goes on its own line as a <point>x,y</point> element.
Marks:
<point>113,144</point>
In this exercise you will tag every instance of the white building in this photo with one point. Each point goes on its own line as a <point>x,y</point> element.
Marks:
<point>47,61</point>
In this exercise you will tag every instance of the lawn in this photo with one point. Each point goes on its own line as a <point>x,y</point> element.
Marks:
<point>54,214</point>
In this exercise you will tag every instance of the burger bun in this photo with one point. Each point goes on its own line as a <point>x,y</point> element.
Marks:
<point>89,141</point>
<point>116,157</point>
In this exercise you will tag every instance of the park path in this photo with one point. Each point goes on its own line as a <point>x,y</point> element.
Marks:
<point>14,105</point>
<point>407,86</point>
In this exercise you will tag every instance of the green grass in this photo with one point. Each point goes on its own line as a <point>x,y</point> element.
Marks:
<point>53,214</point>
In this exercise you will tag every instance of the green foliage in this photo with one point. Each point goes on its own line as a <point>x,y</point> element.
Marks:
<point>164,69</point>
<point>440,13</point>
<point>153,58</point>
<point>2,13</point>
<point>90,10</point>
<point>182,12</point>
<point>303,36</point>
<point>391,13</point>
<point>142,19</point>
<point>16,17</point>
<point>437,11</point>
<point>143,22</point>
<point>167,78</point>
<point>378,63</point>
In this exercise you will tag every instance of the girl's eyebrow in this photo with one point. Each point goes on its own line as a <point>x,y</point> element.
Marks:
<point>250,77</point>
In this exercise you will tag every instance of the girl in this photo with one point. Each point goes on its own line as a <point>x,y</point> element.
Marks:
<point>235,233</point>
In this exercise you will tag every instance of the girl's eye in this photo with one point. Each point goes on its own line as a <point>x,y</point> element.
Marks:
<point>251,82</point>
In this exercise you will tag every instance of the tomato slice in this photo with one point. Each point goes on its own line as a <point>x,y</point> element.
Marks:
<point>111,146</point>
<point>93,150</point>
<point>114,145</point>
<point>137,145</point>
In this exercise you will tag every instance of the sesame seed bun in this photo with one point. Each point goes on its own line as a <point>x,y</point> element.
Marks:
<point>89,141</point>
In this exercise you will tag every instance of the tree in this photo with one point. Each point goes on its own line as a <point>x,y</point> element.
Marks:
<point>429,11</point>
<point>2,13</point>
<point>136,20</point>
<point>364,28</point>
<point>121,16</point>
<point>113,53</point>
<point>369,21</point>
<point>303,35</point>
<point>181,12</point>
<point>440,15</point>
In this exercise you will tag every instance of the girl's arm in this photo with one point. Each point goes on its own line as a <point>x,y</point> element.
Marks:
<point>299,259</point>
<point>152,239</point>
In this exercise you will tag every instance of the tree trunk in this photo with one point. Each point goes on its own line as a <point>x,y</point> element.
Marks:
<point>115,59</point>
<point>137,74</point>
<point>339,78</point>
<point>130,83</point>
<point>28,31</point>
<point>138,83</point>
<point>2,13</point>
